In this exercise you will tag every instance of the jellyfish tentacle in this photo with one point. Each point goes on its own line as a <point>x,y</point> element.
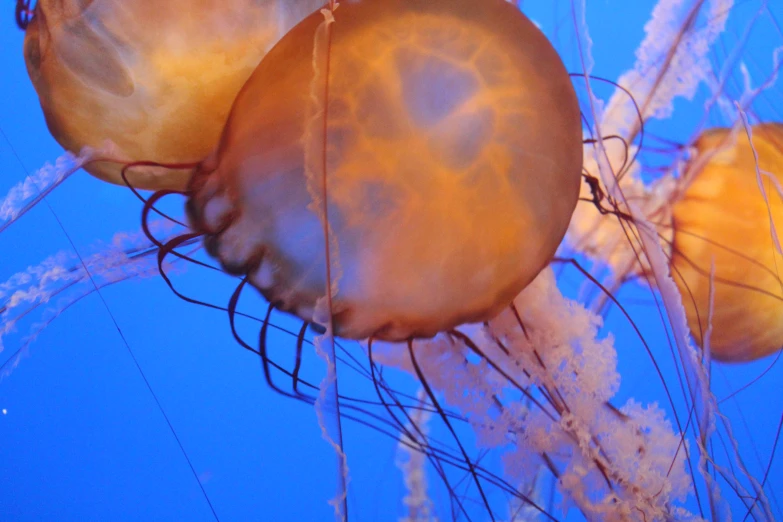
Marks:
<point>298,359</point>
<point>264,356</point>
<point>23,13</point>
<point>442,414</point>
<point>126,166</point>
<point>419,446</point>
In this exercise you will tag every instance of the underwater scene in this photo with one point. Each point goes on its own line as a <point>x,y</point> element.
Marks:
<point>391,260</point>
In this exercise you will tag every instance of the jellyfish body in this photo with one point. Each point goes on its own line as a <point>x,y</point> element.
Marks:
<point>157,79</point>
<point>725,220</point>
<point>452,164</point>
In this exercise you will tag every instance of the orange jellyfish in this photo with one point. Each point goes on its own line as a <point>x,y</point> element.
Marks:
<point>155,78</point>
<point>452,155</point>
<point>729,218</point>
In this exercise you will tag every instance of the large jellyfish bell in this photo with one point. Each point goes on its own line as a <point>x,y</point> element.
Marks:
<point>155,78</point>
<point>448,149</point>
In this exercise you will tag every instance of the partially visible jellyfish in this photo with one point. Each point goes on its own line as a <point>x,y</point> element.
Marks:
<point>722,209</point>
<point>452,163</point>
<point>725,251</point>
<point>156,79</point>
<point>719,223</point>
<point>648,199</point>
<point>710,204</point>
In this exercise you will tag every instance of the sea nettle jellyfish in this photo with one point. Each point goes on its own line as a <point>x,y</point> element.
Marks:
<point>394,169</point>
<point>156,79</point>
<point>719,223</point>
<point>440,143</point>
<point>726,247</point>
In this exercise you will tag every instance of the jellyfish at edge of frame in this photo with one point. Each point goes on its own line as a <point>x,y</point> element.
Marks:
<point>155,79</point>
<point>453,165</point>
<point>724,218</point>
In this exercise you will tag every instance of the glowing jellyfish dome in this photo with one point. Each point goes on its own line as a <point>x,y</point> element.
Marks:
<point>448,166</point>
<point>726,256</point>
<point>156,79</point>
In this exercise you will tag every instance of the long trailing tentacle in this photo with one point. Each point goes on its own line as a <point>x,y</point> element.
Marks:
<point>420,446</point>
<point>444,417</point>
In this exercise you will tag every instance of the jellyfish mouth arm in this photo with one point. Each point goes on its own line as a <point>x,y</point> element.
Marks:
<point>548,348</point>
<point>41,183</point>
<point>663,72</point>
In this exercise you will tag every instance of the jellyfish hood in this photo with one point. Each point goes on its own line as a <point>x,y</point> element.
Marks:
<point>452,159</point>
<point>724,218</point>
<point>155,78</point>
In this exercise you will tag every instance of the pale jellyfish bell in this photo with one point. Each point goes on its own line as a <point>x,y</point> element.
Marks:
<point>156,79</point>
<point>450,159</point>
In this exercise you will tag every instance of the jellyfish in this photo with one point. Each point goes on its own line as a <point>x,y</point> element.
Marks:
<point>419,162</point>
<point>155,79</point>
<point>453,163</point>
<point>726,256</point>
